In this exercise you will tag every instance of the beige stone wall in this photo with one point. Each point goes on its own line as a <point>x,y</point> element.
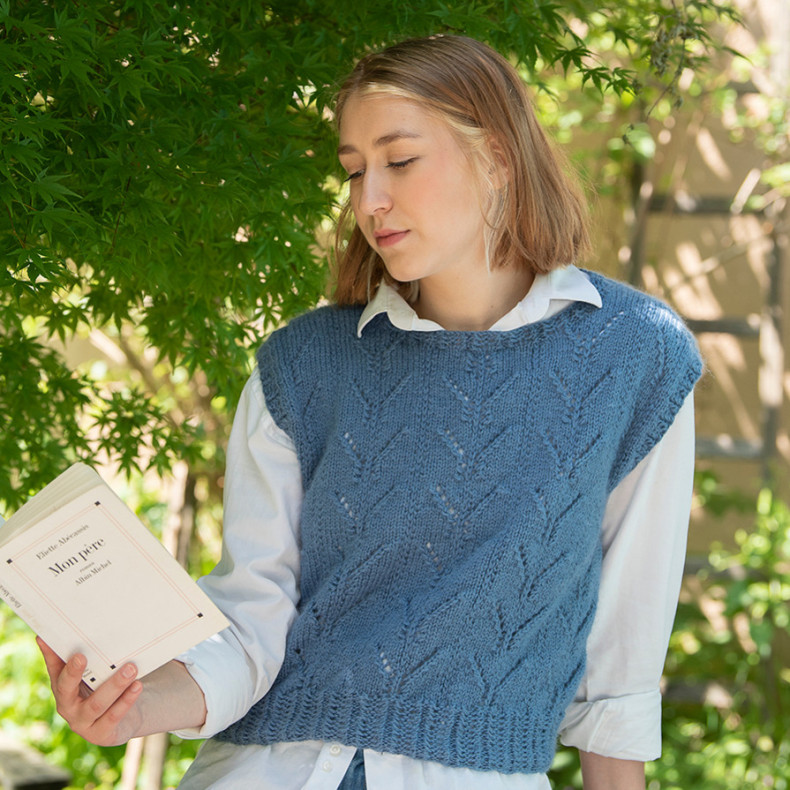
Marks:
<point>713,266</point>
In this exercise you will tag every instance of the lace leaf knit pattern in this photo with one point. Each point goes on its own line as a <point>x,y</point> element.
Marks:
<point>454,487</point>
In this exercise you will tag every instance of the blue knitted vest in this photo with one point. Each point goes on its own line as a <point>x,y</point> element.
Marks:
<point>454,487</point>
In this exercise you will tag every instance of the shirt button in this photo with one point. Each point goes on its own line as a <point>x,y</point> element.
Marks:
<point>327,766</point>
<point>335,750</point>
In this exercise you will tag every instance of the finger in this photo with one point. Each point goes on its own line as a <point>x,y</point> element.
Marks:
<point>53,661</point>
<point>109,693</point>
<point>69,680</point>
<point>65,676</point>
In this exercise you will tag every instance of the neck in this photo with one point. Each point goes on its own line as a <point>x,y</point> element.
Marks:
<point>463,303</point>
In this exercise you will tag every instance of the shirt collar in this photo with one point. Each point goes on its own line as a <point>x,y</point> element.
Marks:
<point>567,284</point>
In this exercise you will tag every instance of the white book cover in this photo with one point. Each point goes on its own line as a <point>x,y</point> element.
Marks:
<point>87,576</point>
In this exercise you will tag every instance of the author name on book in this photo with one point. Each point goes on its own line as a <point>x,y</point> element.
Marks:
<point>62,541</point>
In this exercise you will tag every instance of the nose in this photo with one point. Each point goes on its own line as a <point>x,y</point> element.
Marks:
<point>374,194</point>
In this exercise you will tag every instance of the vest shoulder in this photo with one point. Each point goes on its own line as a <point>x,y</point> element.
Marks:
<point>326,323</point>
<point>311,335</point>
<point>642,311</point>
<point>323,319</point>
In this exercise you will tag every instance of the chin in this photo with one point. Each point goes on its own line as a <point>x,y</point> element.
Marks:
<point>402,275</point>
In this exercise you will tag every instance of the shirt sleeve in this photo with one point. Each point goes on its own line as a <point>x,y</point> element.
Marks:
<point>617,709</point>
<point>256,582</point>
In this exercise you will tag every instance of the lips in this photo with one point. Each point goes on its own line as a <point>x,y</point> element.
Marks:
<point>387,238</point>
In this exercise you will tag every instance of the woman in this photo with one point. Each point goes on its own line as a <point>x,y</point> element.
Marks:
<point>456,502</point>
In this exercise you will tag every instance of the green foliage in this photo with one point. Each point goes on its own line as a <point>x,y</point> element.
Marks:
<point>731,643</point>
<point>165,168</point>
<point>611,135</point>
<point>765,119</point>
<point>727,703</point>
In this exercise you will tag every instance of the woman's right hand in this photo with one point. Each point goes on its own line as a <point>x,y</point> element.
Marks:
<point>107,716</point>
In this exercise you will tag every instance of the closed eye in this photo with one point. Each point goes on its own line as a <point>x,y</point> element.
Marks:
<point>393,165</point>
<point>400,165</point>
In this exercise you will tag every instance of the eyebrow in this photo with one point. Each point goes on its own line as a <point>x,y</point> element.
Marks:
<point>386,139</point>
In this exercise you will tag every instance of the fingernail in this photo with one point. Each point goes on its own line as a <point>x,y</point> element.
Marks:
<point>129,671</point>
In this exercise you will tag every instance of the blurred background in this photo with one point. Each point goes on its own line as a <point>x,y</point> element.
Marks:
<point>169,185</point>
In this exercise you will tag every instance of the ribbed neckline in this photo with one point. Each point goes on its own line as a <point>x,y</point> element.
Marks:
<point>483,338</point>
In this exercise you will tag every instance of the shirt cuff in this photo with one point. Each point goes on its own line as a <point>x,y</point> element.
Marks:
<point>625,728</point>
<point>211,664</point>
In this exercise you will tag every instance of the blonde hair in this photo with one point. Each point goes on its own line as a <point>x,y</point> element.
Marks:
<point>538,219</point>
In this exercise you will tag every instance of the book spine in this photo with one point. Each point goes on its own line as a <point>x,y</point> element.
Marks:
<point>14,600</point>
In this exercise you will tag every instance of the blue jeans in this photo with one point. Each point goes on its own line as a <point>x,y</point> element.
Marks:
<point>354,778</point>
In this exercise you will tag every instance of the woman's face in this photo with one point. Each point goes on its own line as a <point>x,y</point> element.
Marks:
<point>412,188</point>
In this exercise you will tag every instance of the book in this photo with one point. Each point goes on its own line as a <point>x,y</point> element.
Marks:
<point>88,576</point>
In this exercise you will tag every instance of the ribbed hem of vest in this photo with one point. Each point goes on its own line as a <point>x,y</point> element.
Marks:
<point>486,739</point>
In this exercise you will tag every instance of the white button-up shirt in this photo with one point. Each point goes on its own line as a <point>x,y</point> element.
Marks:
<point>616,711</point>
